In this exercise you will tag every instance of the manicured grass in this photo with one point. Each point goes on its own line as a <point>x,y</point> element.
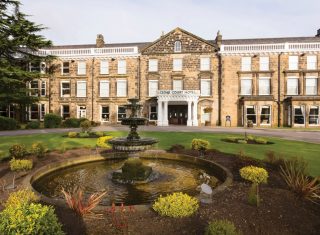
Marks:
<point>310,152</point>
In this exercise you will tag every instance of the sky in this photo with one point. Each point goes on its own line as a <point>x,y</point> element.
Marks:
<point>79,21</point>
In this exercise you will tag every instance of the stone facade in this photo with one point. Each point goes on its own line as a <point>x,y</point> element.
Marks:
<point>222,91</point>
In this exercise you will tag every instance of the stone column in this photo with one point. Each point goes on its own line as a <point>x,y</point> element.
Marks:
<point>189,121</point>
<point>165,114</point>
<point>195,114</point>
<point>159,113</point>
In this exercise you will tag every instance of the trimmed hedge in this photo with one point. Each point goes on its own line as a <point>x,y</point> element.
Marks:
<point>33,125</point>
<point>73,122</point>
<point>8,124</point>
<point>52,120</point>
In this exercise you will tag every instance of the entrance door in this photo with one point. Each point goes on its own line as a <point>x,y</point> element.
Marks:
<point>82,112</point>
<point>178,114</point>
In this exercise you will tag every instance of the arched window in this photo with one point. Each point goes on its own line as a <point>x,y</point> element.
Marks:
<point>177,46</point>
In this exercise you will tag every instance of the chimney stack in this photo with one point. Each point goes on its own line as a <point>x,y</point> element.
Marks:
<point>218,39</point>
<point>99,41</point>
<point>318,33</point>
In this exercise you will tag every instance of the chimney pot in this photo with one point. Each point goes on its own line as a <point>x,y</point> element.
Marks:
<point>100,41</point>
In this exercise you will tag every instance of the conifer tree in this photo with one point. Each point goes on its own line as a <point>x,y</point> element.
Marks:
<point>19,42</point>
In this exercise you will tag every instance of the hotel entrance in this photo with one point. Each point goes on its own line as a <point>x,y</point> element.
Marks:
<point>177,114</point>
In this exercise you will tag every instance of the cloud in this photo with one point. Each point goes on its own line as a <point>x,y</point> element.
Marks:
<point>78,21</point>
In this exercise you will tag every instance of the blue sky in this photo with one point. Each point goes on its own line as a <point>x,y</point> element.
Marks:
<point>79,21</point>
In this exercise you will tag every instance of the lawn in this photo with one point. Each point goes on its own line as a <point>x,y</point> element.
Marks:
<point>310,152</point>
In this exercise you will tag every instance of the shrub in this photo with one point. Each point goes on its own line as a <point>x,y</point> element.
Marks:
<point>33,125</point>
<point>85,125</point>
<point>29,218</point>
<point>20,164</point>
<point>232,139</point>
<point>272,158</point>
<point>38,149</point>
<point>18,151</point>
<point>72,134</point>
<point>261,140</point>
<point>71,122</point>
<point>102,142</point>
<point>8,123</point>
<point>240,141</point>
<point>294,172</point>
<point>52,120</point>
<point>200,145</point>
<point>84,135</point>
<point>176,205</point>
<point>250,137</point>
<point>221,227</point>
<point>99,133</point>
<point>76,202</point>
<point>256,175</point>
<point>23,196</point>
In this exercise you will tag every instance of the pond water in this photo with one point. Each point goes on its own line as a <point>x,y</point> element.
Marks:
<point>174,176</point>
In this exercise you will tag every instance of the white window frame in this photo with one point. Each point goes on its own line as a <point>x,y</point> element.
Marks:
<point>38,112</point>
<point>177,46</point>
<point>79,113</point>
<point>311,62</point>
<point>62,89</point>
<point>205,64</point>
<point>201,87</point>
<point>34,67</point>
<point>104,91</point>
<point>43,87</point>
<point>122,66</point>
<point>177,64</point>
<point>82,68</point>
<point>297,88</point>
<point>82,93</point>
<point>119,94</point>
<point>318,117</point>
<point>34,90</point>
<point>104,67</point>
<point>270,115</point>
<point>255,113</point>
<point>293,62</point>
<point>64,67</point>
<point>303,109</point>
<point>153,65</point>
<point>246,63</point>
<point>42,111</point>
<point>269,88</point>
<point>174,85</point>
<point>241,89</point>
<point>101,113</point>
<point>62,113</point>
<point>150,113</point>
<point>315,92</point>
<point>264,63</point>
<point>151,91</point>
<point>118,120</point>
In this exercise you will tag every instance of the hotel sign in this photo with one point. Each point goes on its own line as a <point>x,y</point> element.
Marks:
<point>178,92</point>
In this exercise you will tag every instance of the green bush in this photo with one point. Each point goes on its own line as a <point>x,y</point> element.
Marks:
<point>102,142</point>
<point>8,124</point>
<point>176,205</point>
<point>23,196</point>
<point>232,139</point>
<point>52,120</point>
<point>73,122</point>
<point>99,133</point>
<point>221,227</point>
<point>72,134</point>
<point>261,140</point>
<point>200,144</point>
<point>29,218</point>
<point>85,125</point>
<point>20,164</point>
<point>33,125</point>
<point>250,137</point>
<point>84,135</point>
<point>18,151</point>
<point>240,141</point>
<point>38,149</point>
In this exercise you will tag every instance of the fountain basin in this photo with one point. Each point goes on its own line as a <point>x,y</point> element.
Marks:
<point>126,145</point>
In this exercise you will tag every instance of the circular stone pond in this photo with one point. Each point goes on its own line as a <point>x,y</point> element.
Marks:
<point>174,175</point>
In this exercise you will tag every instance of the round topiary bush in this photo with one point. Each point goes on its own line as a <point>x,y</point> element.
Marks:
<point>221,227</point>
<point>38,149</point>
<point>52,120</point>
<point>18,151</point>
<point>176,205</point>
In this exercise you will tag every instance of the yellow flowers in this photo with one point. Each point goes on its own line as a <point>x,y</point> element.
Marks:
<point>200,144</point>
<point>254,174</point>
<point>176,205</point>
<point>22,196</point>
<point>102,142</point>
<point>19,165</point>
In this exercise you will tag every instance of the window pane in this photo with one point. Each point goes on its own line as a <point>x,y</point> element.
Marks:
<point>265,115</point>
<point>104,67</point>
<point>153,65</point>
<point>177,64</point>
<point>65,67</point>
<point>251,114</point>
<point>121,113</point>
<point>122,67</point>
<point>292,86</point>
<point>298,115</point>
<point>205,88</point>
<point>311,86</point>
<point>104,88</point>
<point>153,88</point>
<point>153,113</point>
<point>177,85</point>
<point>246,87</point>
<point>177,46</point>
<point>293,62</point>
<point>205,64</point>
<point>121,88</point>
<point>311,62</point>
<point>264,86</point>
<point>81,89</point>
<point>246,63</point>
<point>264,63</point>
<point>105,113</point>
<point>314,115</point>
<point>81,68</point>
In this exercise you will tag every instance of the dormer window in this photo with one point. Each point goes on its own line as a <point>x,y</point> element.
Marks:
<point>177,46</point>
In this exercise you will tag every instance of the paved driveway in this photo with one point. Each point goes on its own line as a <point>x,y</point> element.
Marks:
<point>289,134</point>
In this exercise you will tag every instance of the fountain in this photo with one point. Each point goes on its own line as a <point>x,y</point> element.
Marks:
<point>133,142</point>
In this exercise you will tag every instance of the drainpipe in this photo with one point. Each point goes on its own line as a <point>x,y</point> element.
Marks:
<point>219,88</point>
<point>92,87</point>
<point>139,77</point>
<point>279,90</point>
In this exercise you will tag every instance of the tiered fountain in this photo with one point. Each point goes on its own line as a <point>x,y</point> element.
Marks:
<point>133,142</point>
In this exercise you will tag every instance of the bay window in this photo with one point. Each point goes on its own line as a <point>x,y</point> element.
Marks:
<point>298,115</point>
<point>265,115</point>
<point>314,115</point>
<point>251,114</point>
